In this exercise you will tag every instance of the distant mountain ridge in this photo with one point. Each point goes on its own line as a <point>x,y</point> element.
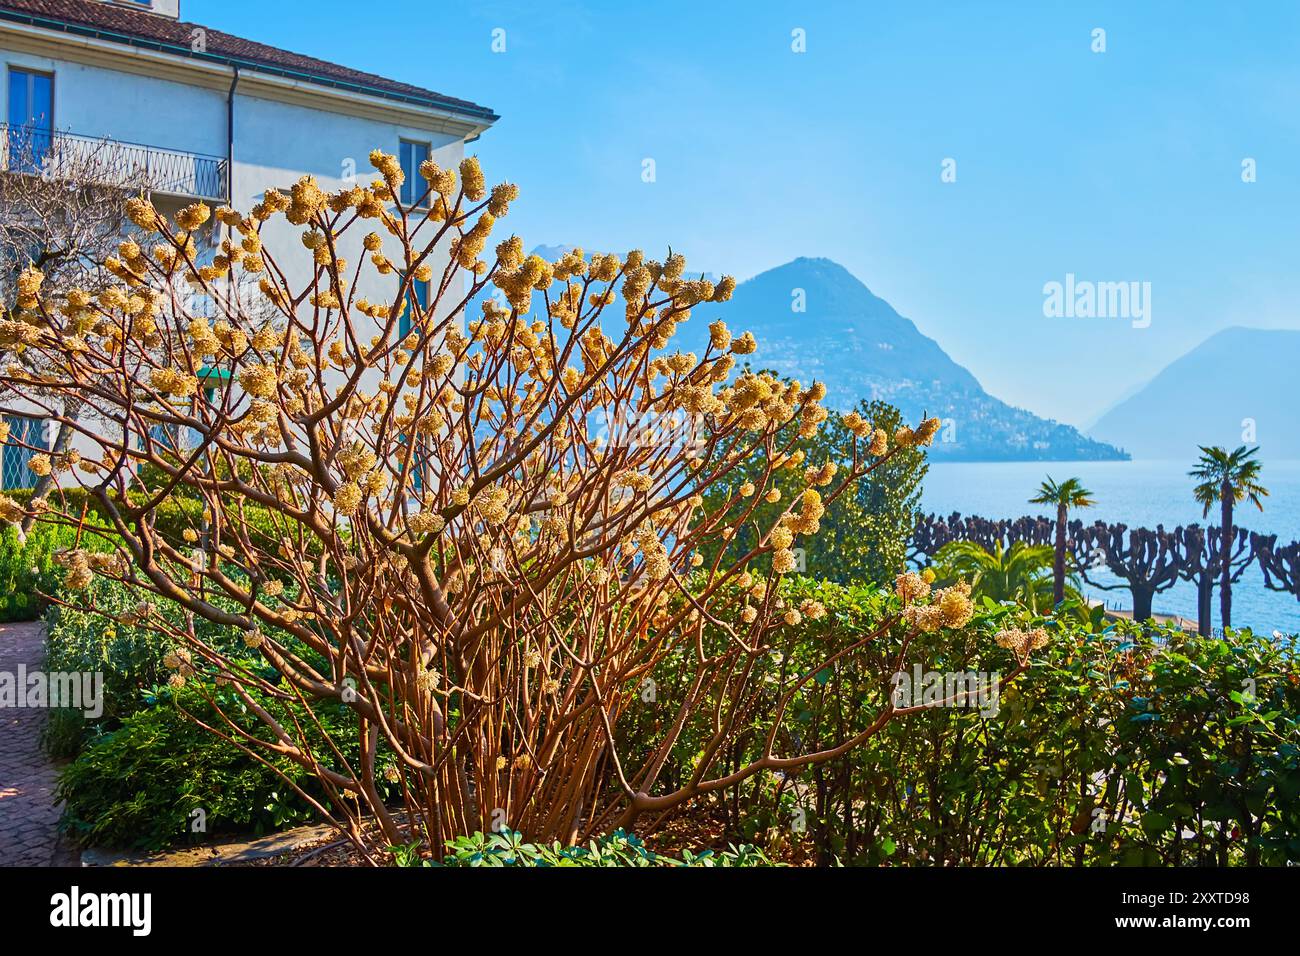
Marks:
<point>861,348</point>
<point>1235,388</point>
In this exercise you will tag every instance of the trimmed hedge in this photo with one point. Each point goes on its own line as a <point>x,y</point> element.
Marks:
<point>1123,744</point>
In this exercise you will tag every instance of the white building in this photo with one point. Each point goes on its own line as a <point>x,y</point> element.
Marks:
<point>206,115</point>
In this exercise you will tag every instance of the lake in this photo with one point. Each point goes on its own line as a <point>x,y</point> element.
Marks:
<point>1139,494</point>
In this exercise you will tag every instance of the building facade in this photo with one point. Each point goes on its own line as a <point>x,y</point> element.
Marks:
<point>195,113</point>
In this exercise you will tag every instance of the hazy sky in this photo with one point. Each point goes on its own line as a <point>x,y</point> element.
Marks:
<point>1124,165</point>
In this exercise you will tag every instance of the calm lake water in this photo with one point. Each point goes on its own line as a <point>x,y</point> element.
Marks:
<point>1139,494</point>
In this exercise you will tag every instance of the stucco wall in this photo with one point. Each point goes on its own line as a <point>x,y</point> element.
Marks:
<point>128,107</point>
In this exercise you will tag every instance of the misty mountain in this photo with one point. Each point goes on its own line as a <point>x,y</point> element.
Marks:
<point>1237,387</point>
<point>860,346</point>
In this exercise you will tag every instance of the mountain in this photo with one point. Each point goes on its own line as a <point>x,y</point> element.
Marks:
<point>861,348</point>
<point>1237,387</point>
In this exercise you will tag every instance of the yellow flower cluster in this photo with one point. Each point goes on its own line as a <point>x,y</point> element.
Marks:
<point>29,287</point>
<point>924,434</point>
<point>171,382</point>
<point>141,212</point>
<point>821,476</point>
<point>347,498</point>
<point>193,216</point>
<point>426,522</point>
<point>492,505</point>
<point>17,333</point>
<point>656,555</point>
<point>179,660</point>
<point>745,345</point>
<point>260,381</point>
<point>503,194</point>
<point>471,179</point>
<point>811,509</point>
<point>77,562</point>
<point>813,610</point>
<point>10,510</point>
<point>1021,642</point>
<point>719,335</point>
<point>911,587</point>
<point>951,607</point>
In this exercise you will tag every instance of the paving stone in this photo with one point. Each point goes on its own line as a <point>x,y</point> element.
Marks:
<point>29,818</point>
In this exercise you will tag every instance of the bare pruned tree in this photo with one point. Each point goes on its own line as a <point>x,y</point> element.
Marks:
<point>62,211</point>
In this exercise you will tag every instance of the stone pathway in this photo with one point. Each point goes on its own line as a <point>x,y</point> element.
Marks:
<point>28,817</point>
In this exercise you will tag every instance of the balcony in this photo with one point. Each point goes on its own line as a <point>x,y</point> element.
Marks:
<point>106,162</point>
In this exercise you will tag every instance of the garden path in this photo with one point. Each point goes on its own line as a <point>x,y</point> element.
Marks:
<point>29,818</point>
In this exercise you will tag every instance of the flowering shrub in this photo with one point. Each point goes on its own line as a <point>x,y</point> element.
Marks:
<point>459,537</point>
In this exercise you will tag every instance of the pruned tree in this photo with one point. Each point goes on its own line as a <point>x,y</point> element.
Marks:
<point>62,212</point>
<point>1146,562</point>
<point>480,539</point>
<point>1280,564</point>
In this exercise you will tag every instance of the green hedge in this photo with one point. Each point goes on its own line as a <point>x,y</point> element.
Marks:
<point>1122,744</point>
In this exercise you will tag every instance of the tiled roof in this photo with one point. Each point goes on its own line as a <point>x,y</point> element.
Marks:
<point>117,23</point>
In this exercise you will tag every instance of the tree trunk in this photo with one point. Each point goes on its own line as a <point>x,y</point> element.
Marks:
<point>1204,594</point>
<point>1141,602</point>
<point>1225,558</point>
<point>1058,562</point>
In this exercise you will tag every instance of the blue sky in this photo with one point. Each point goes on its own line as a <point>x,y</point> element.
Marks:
<point>1117,166</point>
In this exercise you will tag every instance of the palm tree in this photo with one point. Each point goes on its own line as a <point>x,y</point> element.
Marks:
<point>1068,494</point>
<point>1228,478</point>
<point>1018,573</point>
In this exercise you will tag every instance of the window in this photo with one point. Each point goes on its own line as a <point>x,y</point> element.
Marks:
<point>420,295</point>
<point>31,119</point>
<point>412,155</point>
<point>167,436</point>
<point>13,466</point>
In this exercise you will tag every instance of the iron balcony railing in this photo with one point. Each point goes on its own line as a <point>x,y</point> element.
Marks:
<point>106,162</point>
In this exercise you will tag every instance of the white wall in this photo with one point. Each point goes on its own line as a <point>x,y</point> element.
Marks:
<point>127,107</point>
<point>277,143</point>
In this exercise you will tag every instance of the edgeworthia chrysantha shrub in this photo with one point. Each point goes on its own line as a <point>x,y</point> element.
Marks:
<point>480,533</point>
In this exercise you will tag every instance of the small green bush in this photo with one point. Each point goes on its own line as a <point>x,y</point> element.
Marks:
<point>139,786</point>
<point>27,568</point>
<point>508,848</point>
<point>129,658</point>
